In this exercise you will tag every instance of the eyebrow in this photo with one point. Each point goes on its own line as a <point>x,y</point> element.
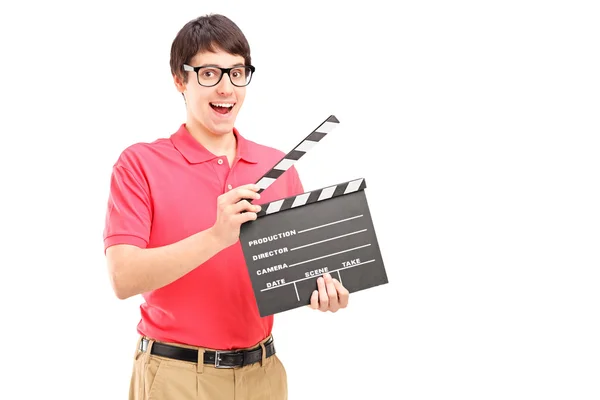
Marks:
<point>218,66</point>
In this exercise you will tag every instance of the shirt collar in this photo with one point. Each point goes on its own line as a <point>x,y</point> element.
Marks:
<point>195,153</point>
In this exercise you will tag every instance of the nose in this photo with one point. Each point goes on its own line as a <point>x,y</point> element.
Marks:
<point>225,87</point>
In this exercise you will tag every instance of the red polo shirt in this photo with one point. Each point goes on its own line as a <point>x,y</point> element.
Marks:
<point>165,191</point>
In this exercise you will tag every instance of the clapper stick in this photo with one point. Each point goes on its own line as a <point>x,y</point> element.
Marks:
<point>293,156</point>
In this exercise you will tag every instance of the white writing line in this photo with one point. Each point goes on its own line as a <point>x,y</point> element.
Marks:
<point>312,277</point>
<point>340,276</point>
<point>326,240</point>
<point>331,223</point>
<point>295,287</point>
<point>329,255</point>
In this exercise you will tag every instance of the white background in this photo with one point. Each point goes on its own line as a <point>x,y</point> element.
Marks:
<point>474,123</point>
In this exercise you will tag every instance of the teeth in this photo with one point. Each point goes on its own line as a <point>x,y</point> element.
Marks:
<point>222,104</point>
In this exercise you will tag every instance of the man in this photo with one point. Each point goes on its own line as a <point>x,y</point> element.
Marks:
<point>172,234</point>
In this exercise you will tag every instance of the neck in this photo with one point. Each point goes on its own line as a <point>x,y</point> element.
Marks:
<point>219,145</point>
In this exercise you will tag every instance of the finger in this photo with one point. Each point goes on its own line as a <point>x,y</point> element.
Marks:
<point>314,300</point>
<point>250,186</point>
<point>323,298</point>
<point>244,217</point>
<point>343,294</point>
<point>235,195</point>
<point>332,293</point>
<point>244,206</point>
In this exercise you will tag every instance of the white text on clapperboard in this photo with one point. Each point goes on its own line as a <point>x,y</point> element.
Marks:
<point>351,262</point>
<point>271,238</point>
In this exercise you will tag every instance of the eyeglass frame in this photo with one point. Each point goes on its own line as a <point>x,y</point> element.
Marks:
<point>224,71</point>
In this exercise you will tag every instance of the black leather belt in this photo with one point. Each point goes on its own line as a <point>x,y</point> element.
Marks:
<point>219,359</point>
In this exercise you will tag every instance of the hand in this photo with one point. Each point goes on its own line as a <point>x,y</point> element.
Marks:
<point>331,295</point>
<point>232,213</point>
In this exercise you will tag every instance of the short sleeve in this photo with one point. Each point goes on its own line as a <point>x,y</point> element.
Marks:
<point>129,210</point>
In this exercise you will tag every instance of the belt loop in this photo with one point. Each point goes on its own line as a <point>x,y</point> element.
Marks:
<point>148,350</point>
<point>138,346</point>
<point>200,365</point>
<point>264,354</point>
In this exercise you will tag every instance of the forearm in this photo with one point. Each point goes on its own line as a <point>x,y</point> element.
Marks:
<point>134,270</point>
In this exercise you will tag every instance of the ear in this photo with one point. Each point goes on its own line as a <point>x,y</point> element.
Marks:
<point>179,84</point>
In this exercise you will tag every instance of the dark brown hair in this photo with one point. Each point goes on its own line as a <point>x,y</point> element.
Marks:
<point>208,33</point>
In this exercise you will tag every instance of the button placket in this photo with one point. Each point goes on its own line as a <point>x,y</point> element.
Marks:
<point>229,179</point>
<point>227,174</point>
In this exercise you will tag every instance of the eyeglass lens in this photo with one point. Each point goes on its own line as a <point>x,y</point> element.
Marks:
<point>209,76</point>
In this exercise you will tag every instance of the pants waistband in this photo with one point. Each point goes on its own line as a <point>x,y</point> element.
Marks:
<point>218,359</point>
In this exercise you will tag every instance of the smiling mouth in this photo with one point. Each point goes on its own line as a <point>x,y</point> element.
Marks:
<point>222,108</point>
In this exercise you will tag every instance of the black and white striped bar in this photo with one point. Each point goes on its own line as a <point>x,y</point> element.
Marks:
<point>312,197</point>
<point>301,149</point>
<point>300,238</point>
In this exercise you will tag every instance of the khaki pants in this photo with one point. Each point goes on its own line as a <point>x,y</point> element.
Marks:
<point>160,378</point>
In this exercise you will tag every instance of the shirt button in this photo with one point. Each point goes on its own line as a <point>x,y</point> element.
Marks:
<point>229,187</point>
<point>220,161</point>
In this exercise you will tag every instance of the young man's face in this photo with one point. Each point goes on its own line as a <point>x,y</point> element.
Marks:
<point>213,109</point>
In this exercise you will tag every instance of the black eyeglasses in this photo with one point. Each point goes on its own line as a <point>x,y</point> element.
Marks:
<point>211,75</point>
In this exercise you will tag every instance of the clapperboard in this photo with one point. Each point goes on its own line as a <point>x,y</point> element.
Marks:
<point>295,240</point>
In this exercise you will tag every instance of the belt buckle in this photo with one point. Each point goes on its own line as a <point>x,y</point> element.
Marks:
<point>218,360</point>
